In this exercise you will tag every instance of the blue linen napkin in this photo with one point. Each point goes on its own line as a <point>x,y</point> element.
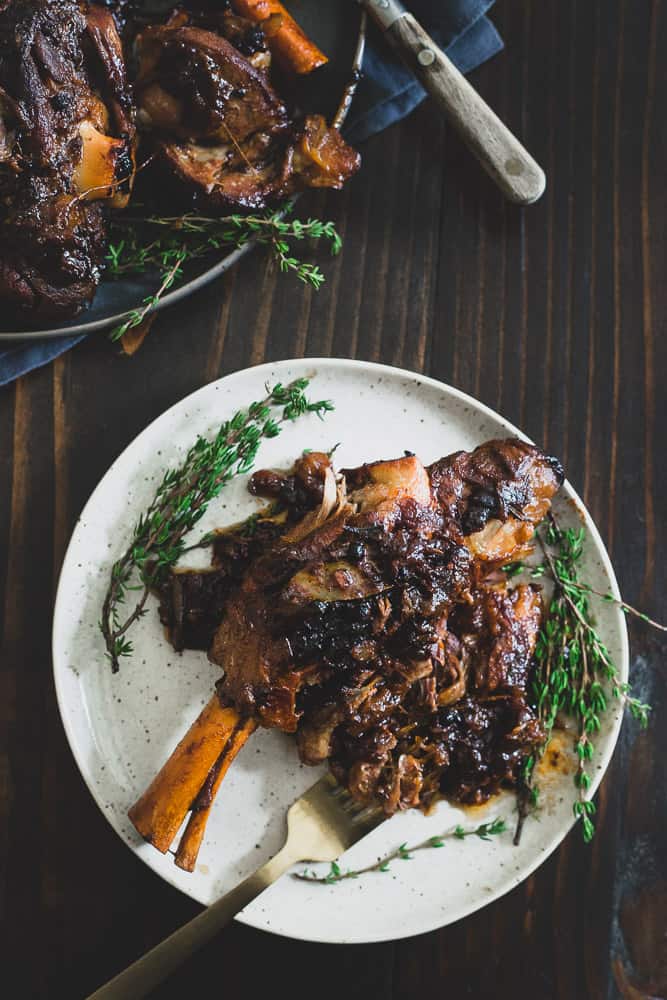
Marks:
<point>387,93</point>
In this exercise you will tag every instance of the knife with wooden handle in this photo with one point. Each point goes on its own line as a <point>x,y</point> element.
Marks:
<point>500,153</point>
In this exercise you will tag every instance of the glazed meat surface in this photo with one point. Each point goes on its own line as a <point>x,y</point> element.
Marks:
<point>195,84</point>
<point>66,146</point>
<point>220,131</point>
<point>363,614</point>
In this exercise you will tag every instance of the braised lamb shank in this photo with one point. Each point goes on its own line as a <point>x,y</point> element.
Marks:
<point>364,613</point>
<point>67,140</point>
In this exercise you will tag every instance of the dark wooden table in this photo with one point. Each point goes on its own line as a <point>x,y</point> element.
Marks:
<point>555,316</point>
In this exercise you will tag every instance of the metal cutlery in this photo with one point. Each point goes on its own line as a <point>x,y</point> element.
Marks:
<point>499,152</point>
<point>321,825</point>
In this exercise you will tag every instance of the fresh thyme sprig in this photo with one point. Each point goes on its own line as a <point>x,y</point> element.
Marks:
<point>585,588</point>
<point>172,271</point>
<point>403,853</point>
<point>181,500</point>
<point>166,243</point>
<point>574,668</point>
<point>515,568</point>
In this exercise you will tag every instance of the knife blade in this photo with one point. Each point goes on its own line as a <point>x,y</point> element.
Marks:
<point>498,150</point>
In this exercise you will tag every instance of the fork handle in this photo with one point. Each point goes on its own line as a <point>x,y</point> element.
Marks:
<point>499,152</point>
<point>157,964</point>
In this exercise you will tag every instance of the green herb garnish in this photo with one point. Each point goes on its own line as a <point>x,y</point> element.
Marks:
<point>182,498</point>
<point>575,672</point>
<point>166,244</point>
<point>404,853</point>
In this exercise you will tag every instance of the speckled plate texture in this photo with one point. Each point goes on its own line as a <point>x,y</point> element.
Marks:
<point>122,727</point>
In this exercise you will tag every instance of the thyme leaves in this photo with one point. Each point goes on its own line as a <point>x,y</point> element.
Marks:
<point>181,499</point>
<point>575,671</point>
<point>485,831</point>
<point>165,244</point>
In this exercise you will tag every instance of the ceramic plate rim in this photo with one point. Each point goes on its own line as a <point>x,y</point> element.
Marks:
<point>274,368</point>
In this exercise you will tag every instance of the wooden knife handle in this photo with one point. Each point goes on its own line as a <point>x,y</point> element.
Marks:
<point>501,154</point>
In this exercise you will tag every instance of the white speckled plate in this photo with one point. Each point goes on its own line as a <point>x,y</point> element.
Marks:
<point>121,728</point>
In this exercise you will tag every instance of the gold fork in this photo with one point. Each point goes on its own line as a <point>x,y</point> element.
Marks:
<point>321,825</point>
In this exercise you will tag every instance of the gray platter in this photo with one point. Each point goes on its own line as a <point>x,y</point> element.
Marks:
<point>339,30</point>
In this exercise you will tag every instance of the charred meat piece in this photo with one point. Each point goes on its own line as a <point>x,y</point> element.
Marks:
<point>194,84</point>
<point>212,15</point>
<point>365,623</point>
<point>220,129</point>
<point>192,601</point>
<point>496,494</point>
<point>299,491</point>
<point>497,635</point>
<point>320,157</point>
<point>67,146</point>
<point>191,604</point>
<point>262,170</point>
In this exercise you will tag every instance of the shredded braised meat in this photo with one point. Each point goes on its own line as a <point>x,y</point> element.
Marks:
<point>362,612</point>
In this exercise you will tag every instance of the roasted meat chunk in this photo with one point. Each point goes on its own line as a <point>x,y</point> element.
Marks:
<point>496,494</point>
<point>67,146</point>
<point>460,725</point>
<point>194,84</point>
<point>219,128</point>
<point>364,614</point>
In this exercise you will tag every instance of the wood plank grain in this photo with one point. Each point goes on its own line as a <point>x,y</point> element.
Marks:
<point>24,648</point>
<point>6,466</point>
<point>557,317</point>
<point>496,148</point>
